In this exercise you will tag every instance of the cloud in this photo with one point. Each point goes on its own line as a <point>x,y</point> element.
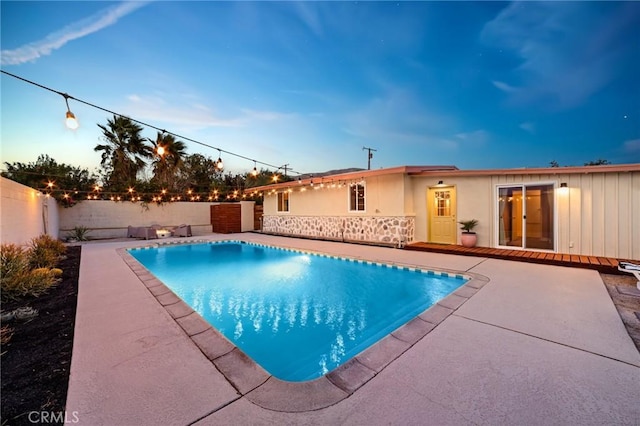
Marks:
<point>568,51</point>
<point>528,126</point>
<point>187,112</point>
<point>632,146</point>
<point>504,87</point>
<point>33,51</point>
<point>396,117</point>
<point>477,137</point>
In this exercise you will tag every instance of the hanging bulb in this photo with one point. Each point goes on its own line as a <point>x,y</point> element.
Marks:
<point>219,163</point>
<point>160,150</point>
<point>254,172</point>
<point>70,121</point>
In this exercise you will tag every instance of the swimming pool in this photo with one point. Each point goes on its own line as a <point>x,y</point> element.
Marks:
<point>297,314</point>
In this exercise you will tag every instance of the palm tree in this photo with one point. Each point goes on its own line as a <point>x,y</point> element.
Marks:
<point>169,156</point>
<point>124,151</point>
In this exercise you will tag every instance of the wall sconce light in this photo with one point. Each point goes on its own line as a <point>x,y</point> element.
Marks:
<point>71,121</point>
<point>563,184</point>
<point>440,182</point>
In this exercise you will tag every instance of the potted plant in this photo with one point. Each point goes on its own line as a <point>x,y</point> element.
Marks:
<point>468,238</point>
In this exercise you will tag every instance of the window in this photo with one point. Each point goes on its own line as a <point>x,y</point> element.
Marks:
<point>283,201</point>
<point>356,197</point>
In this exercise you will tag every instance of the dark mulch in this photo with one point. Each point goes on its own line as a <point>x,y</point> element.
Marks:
<point>37,359</point>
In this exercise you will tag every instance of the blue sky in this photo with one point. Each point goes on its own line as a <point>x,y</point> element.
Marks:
<point>474,84</point>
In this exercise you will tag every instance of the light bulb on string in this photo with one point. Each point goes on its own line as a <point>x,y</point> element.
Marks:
<point>70,120</point>
<point>254,172</point>
<point>219,163</point>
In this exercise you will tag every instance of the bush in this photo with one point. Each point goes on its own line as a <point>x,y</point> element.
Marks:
<point>79,233</point>
<point>32,282</point>
<point>45,252</point>
<point>13,260</point>
<point>29,272</point>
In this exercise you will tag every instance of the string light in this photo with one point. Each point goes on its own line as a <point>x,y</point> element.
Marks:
<point>70,115</point>
<point>70,121</point>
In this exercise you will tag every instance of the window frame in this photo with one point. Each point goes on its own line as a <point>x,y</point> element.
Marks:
<point>283,198</point>
<point>354,187</point>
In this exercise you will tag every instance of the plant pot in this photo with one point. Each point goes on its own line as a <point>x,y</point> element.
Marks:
<point>468,239</point>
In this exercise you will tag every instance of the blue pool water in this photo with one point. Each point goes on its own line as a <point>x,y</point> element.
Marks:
<point>297,314</point>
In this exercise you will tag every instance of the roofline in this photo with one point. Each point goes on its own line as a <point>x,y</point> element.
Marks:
<point>609,168</point>
<point>353,176</point>
<point>417,171</point>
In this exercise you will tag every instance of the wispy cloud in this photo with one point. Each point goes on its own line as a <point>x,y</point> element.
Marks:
<point>397,116</point>
<point>568,52</point>
<point>187,112</point>
<point>34,50</point>
<point>476,137</point>
<point>632,146</point>
<point>528,126</point>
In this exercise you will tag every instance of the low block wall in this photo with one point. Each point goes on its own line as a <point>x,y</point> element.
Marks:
<point>377,229</point>
<point>25,213</point>
<point>109,219</point>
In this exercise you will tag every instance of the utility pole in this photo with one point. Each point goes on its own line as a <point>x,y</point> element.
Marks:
<point>369,157</point>
<point>285,167</point>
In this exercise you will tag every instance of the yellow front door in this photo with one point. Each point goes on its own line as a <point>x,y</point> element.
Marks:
<point>441,205</point>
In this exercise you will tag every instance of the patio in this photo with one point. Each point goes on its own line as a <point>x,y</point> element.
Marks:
<point>537,344</point>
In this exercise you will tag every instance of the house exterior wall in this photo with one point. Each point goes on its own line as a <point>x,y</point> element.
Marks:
<point>323,212</point>
<point>473,201</point>
<point>25,213</point>
<point>595,215</point>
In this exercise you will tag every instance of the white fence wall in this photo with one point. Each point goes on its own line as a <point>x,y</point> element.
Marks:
<point>109,219</point>
<point>25,213</point>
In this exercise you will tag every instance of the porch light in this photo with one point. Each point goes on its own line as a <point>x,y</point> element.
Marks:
<point>563,189</point>
<point>563,185</point>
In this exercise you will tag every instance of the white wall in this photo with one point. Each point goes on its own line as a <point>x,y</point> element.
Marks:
<point>109,219</point>
<point>25,213</point>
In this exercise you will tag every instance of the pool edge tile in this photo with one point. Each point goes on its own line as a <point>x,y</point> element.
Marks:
<point>193,324</point>
<point>378,356</point>
<point>351,375</point>
<point>241,371</point>
<point>414,330</point>
<point>296,397</point>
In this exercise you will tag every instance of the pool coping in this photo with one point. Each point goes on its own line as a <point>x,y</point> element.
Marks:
<point>250,380</point>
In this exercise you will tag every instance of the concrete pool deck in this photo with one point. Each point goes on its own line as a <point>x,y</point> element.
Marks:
<point>536,345</point>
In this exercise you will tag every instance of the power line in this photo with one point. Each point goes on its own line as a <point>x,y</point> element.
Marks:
<point>66,96</point>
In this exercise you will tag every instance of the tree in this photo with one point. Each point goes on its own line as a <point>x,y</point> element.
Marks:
<point>198,173</point>
<point>58,180</point>
<point>123,153</point>
<point>598,162</point>
<point>169,157</point>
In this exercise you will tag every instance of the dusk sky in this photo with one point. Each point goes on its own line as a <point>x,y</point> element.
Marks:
<point>473,84</point>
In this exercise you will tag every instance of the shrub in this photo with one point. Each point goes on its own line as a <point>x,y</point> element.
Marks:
<point>32,282</point>
<point>45,252</point>
<point>79,233</point>
<point>21,273</point>
<point>13,260</point>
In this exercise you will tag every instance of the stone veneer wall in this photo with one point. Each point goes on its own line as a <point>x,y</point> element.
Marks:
<point>385,229</point>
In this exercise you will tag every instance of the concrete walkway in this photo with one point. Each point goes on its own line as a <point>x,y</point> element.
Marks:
<point>536,345</point>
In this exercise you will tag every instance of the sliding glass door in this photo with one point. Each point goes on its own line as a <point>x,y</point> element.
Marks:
<point>526,216</point>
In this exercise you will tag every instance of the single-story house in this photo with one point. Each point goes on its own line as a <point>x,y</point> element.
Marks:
<point>591,210</point>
